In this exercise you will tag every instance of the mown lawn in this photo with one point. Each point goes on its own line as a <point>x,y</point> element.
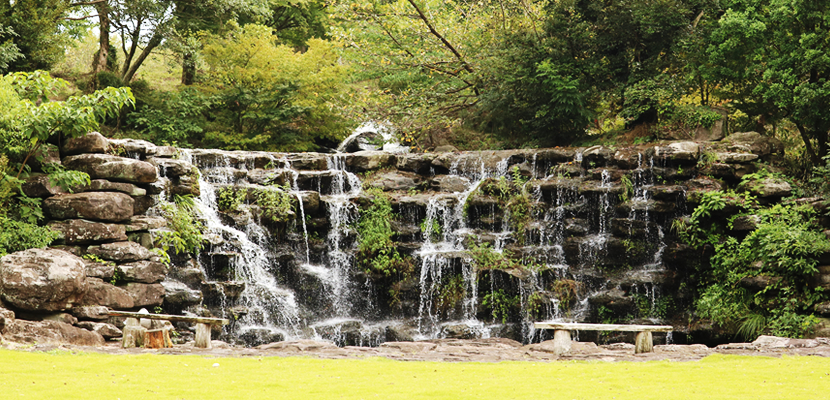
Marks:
<point>64,375</point>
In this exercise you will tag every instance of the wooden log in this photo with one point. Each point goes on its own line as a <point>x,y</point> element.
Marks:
<point>168,317</point>
<point>602,327</point>
<point>643,343</point>
<point>561,342</point>
<point>132,335</point>
<point>203,336</point>
<point>157,339</point>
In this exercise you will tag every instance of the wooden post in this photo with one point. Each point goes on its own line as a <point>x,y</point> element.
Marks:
<point>203,336</point>
<point>643,343</point>
<point>132,336</point>
<point>561,342</point>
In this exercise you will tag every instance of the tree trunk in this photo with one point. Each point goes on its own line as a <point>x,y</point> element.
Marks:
<point>154,42</point>
<point>188,69</point>
<point>100,63</point>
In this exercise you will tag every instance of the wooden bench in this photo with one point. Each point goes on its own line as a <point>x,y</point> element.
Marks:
<point>152,337</point>
<point>562,334</point>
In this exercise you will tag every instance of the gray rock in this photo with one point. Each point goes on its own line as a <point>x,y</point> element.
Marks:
<point>133,148</point>
<point>59,317</point>
<point>370,160</point>
<point>679,151</point>
<point>308,161</point>
<point>108,331</point>
<point>447,148</point>
<point>735,158</point>
<point>113,168</point>
<point>98,206</point>
<point>92,142</point>
<point>450,183</point>
<point>364,141</point>
<point>50,332</point>
<point>142,204</point>
<point>40,186</point>
<point>42,279</point>
<point>598,154</point>
<point>755,142</point>
<point>769,187</point>
<point>144,223</point>
<point>178,295</point>
<point>459,331</point>
<point>165,152</point>
<point>419,163</point>
<point>395,180</point>
<point>145,294</point>
<point>6,318</point>
<point>103,185</point>
<point>171,168</point>
<point>97,313</point>
<point>100,293</point>
<point>143,271</point>
<point>120,252</point>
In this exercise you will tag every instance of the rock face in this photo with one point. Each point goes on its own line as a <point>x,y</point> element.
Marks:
<point>92,142</point>
<point>113,168</point>
<point>42,280</point>
<point>100,293</point>
<point>121,252</point>
<point>80,231</point>
<point>98,206</point>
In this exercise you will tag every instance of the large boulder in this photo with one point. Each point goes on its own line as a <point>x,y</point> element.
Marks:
<point>369,160</point>
<point>755,143</point>
<point>42,280</point>
<point>92,142</point>
<point>142,271</point>
<point>100,293</point>
<point>679,151</point>
<point>53,332</point>
<point>40,186</point>
<point>106,330</point>
<point>121,252</point>
<point>178,295</point>
<point>145,223</point>
<point>81,231</point>
<point>98,206</point>
<point>113,168</point>
<point>145,294</point>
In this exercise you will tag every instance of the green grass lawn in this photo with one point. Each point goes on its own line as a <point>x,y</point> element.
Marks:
<point>64,375</point>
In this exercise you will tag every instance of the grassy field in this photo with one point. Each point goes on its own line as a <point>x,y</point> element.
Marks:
<point>64,375</point>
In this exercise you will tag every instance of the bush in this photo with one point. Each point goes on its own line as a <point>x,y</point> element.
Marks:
<point>185,235</point>
<point>376,251</point>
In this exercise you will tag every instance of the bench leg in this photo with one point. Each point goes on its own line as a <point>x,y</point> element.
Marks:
<point>132,336</point>
<point>643,343</point>
<point>203,336</point>
<point>561,342</point>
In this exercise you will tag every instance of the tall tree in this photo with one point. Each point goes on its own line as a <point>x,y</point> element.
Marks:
<point>38,35</point>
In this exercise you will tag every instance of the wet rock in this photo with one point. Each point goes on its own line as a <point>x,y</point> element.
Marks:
<point>624,227</point>
<point>171,168</point>
<point>450,183</point>
<point>113,168</point>
<point>179,296</point>
<point>108,331</point>
<point>96,313</point>
<point>144,294</point>
<point>746,223</point>
<point>142,271</point>
<point>554,156</point>
<point>42,279</point>
<point>370,160</point>
<point>120,251</point>
<point>165,152</point>
<point>258,337</point>
<point>597,155</point>
<point>92,142</point>
<point>368,140</point>
<point>217,293</point>
<point>261,176</point>
<point>759,282</point>
<point>142,204</point>
<point>459,331</point>
<point>399,333</point>
<point>614,299</point>
<point>98,206</point>
<point>577,227</point>
<point>308,161</point>
<point>822,309</point>
<point>192,276</point>
<point>395,181</point>
<point>100,293</point>
<point>596,187</point>
<point>186,186</point>
<point>103,185</point>
<point>667,192</point>
<point>420,163</point>
<point>40,186</point>
<point>648,206</point>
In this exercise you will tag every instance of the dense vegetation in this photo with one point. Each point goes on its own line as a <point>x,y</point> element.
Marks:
<point>298,75</point>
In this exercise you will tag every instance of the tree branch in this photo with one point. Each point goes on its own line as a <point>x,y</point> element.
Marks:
<point>446,43</point>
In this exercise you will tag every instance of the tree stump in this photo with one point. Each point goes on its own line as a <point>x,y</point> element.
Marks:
<point>643,343</point>
<point>561,342</point>
<point>132,336</point>
<point>203,336</point>
<point>157,339</point>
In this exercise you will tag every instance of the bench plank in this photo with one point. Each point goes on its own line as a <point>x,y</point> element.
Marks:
<point>168,317</point>
<point>569,326</point>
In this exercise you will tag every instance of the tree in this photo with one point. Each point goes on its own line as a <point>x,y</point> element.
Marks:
<point>37,32</point>
<point>774,58</point>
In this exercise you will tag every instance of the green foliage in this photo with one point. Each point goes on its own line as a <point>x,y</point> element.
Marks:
<point>276,204</point>
<point>500,304</point>
<point>432,230</point>
<point>20,235</point>
<point>376,251</point>
<point>485,257</point>
<point>782,251</point>
<point>451,293</point>
<point>628,188</point>
<point>171,117</point>
<point>39,33</point>
<point>66,180</point>
<point>9,51</point>
<point>185,234</point>
<point>228,199</point>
